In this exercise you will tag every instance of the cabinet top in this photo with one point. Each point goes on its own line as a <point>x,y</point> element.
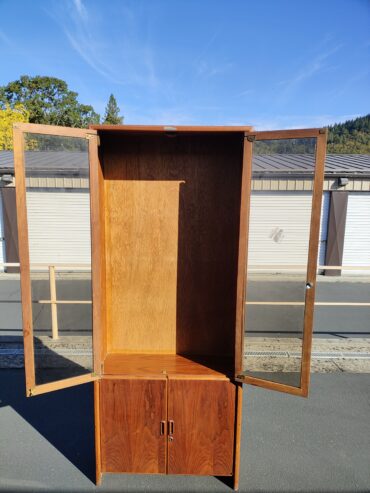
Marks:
<point>170,128</point>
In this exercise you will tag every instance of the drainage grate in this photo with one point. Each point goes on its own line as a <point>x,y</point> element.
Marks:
<point>266,353</point>
<point>315,354</point>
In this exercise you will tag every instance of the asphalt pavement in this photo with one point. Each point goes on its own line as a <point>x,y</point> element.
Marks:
<point>330,321</point>
<point>289,444</point>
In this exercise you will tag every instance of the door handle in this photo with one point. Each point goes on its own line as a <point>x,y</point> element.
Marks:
<point>163,428</point>
<point>171,427</point>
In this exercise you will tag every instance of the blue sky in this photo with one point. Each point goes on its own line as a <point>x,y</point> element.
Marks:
<point>268,63</point>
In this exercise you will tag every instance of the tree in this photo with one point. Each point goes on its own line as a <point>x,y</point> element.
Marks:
<point>350,137</point>
<point>48,100</point>
<point>112,112</point>
<point>8,116</point>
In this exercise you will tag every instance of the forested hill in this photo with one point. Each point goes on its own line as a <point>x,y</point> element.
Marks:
<point>350,137</point>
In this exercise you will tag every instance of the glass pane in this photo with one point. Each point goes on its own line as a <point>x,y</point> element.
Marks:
<point>279,231</point>
<point>341,323</point>
<point>58,216</point>
<point>342,311</point>
<point>11,345</point>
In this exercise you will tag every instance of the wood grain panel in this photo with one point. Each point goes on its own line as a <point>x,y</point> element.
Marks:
<point>300,133</point>
<point>238,432</point>
<point>167,128</point>
<point>98,262</point>
<point>203,413</point>
<point>172,231</point>
<point>24,259</point>
<point>243,254</point>
<point>61,384</point>
<point>131,415</point>
<point>313,250</point>
<point>142,230</point>
<point>97,428</point>
<point>171,364</point>
<point>35,128</point>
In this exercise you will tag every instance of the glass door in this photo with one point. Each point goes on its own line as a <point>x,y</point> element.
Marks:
<point>284,171</point>
<point>53,213</point>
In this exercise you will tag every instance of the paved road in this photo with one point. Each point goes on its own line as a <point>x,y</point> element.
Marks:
<point>343,321</point>
<point>290,444</point>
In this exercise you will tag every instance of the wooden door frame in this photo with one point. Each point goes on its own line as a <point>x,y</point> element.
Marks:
<point>19,129</point>
<point>321,135</point>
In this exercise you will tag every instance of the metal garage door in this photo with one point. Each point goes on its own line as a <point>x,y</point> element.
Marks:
<point>356,250</point>
<point>2,240</point>
<point>59,227</point>
<point>290,214</point>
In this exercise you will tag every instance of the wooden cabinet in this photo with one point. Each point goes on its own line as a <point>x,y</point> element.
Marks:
<point>175,426</point>
<point>170,209</point>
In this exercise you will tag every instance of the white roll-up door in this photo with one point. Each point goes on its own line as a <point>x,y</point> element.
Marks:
<point>59,227</point>
<point>2,234</point>
<point>279,228</point>
<point>356,249</point>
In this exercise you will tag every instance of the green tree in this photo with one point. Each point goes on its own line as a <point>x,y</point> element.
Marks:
<point>8,116</point>
<point>48,100</point>
<point>350,137</point>
<point>112,112</point>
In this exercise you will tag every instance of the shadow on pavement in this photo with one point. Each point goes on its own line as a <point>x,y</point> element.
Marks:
<point>65,417</point>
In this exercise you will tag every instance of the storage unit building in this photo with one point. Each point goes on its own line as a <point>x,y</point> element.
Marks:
<point>356,249</point>
<point>282,192</point>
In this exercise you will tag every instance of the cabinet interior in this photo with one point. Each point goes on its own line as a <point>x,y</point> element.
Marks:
<point>171,233</point>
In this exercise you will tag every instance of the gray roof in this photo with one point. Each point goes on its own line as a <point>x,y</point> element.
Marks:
<point>335,164</point>
<point>70,163</point>
<point>76,163</point>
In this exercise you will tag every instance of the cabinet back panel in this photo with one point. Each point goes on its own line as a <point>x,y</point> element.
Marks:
<point>172,224</point>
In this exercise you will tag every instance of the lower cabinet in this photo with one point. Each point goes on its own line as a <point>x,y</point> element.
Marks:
<point>174,426</point>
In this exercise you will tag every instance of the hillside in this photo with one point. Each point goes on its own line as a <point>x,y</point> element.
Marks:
<point>350,137</point>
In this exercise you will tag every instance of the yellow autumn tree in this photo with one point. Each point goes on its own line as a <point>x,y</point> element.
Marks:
<point>8,116</point>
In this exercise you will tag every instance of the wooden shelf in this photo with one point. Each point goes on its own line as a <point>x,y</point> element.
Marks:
<point>172,365</point>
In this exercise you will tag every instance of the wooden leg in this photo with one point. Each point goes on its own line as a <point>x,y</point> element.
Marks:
<point>97,431</point>
<point>238,429</point>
